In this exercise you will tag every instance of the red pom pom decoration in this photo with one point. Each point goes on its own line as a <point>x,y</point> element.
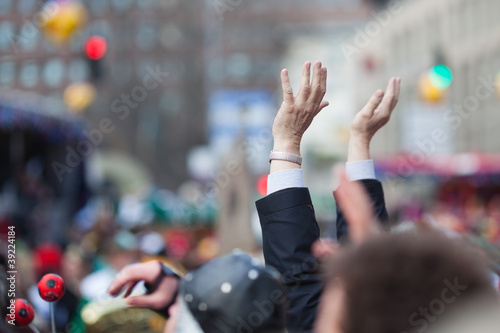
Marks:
<point>51,287</point>
<point>21,313</point>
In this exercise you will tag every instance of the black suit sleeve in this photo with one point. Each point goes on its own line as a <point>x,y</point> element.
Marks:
<point>289,229</point>
<point>376,194</point>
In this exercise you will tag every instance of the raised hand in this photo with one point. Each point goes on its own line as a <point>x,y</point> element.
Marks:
<point>297,112</point>
<point>372,118</point>
<point>148,272</point>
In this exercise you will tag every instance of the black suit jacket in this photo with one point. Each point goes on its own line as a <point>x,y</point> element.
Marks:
<point>289,229</point>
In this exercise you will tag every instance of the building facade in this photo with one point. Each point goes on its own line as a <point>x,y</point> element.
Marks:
<point>157,125</point>
<point>462,34</point>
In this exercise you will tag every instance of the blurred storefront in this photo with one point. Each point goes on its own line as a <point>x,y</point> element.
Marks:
<point>36,131</point>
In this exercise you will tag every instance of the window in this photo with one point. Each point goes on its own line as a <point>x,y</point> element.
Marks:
<point>7,36</point>
<point>121,5</point>
<point>7,73</point>
<point>26,7</point>
<point>78,71</point>
<point>171,102</point>
<point>170,36</point>
<point>145,4</point>
<point>29,75</point>
<point>5,6</point>
<point>145,37</point>
<point>29,38</point>
<point>53,72</point>
<point>99,7</point>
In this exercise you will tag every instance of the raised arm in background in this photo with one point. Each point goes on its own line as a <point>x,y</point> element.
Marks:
<point>286,214</point>
<point>359,166</point>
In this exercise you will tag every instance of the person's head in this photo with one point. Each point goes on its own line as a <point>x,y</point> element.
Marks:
<point>233,293</point>
<point>401,283</point>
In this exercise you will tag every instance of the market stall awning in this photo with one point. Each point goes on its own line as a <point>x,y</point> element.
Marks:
<point>45,115</point>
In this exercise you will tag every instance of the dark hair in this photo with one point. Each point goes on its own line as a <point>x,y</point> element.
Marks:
<point>397,282</point>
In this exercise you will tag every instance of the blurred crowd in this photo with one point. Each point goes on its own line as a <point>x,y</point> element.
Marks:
<point>106,232</point>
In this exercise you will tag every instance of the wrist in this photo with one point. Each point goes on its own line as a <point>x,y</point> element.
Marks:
<point>287,146</point>
<point>359,149</point>
<point>360,138</point>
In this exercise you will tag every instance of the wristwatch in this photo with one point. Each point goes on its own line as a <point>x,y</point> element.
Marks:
<point>152,287</point>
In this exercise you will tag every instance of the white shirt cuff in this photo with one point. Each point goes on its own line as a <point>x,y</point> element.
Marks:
<point>284,179</point>
<point>360,170</point>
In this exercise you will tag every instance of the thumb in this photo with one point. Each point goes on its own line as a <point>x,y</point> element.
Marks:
<point>322,105</point>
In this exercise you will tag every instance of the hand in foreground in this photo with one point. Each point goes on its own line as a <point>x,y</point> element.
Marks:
<point>148,272</point>
<point>372,118</point>
<point>354,202</point>
<point>297,112</point>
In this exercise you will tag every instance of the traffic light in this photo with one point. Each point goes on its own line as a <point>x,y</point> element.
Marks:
<point>441,77</point>
<point>433,84</point>
<point>95,48</point>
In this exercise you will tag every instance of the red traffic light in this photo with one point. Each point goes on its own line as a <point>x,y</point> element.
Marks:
<point>95,47</point>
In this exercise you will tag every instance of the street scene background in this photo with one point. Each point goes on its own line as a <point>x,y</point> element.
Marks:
<point>132,129</point>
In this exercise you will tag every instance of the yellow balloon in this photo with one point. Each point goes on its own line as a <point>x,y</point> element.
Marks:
<point>62,20</point>
<point>79,96</point>
<point>428,92</point>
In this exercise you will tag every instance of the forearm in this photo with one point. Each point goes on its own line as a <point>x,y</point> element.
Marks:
<point>289,229</point>
<point>358,149</point>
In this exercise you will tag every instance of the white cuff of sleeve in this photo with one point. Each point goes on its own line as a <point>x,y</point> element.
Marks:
<point>284,179</point>
<point>360,170</point>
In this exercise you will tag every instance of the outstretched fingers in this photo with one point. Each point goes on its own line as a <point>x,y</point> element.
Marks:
<point>373,103</point>
<point>390,98</point>
<point>396,93</point>
<point>316,84</point>
<point>305,85</point>
<point>287,87</point>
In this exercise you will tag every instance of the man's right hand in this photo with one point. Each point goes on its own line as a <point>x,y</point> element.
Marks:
<point>297,112</point>
<point>148,272</point>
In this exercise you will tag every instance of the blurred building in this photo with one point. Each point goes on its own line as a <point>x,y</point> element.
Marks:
<point>247,45</point>
<point>146,36</point>
<point>143,37</point>
<point>461,34</point>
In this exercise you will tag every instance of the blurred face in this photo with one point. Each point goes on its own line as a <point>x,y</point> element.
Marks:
<point>172,320</point>
<point>330,310</point>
